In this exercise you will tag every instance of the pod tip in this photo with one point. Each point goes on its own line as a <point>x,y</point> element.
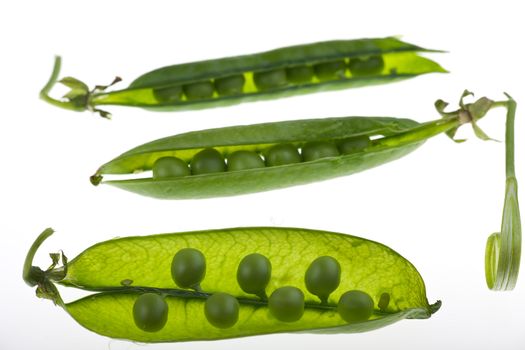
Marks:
<point>96,179</point>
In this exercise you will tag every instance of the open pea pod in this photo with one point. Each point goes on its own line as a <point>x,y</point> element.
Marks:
<point>235,282</point>
<point>252,158</point>
<point>282,72</point>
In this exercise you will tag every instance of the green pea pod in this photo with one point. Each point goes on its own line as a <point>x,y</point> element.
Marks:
<point>330,148</point>
<point>282,72</point>
<point>121,270</point>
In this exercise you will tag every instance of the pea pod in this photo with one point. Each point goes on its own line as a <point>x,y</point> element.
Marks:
<point>121,271</point>
<point>296,152</point>
<point>282,72</point>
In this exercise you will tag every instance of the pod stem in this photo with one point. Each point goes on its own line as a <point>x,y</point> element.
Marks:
<point>79,97</point>
<point>503,250</point>
<point>31,277</point>
<point>44,93</point>
<point>34,276</point>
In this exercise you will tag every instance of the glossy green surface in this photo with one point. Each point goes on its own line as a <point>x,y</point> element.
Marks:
<point>188,268</point>
<point>282,154</point>
<point>150,312</point>
<point>323,277</point>
<point>267,75</point>
<point>286,304</point>
<point>143,263</point>
<point>355,306</point>
<point>199,90</point>
<point>261,138</point>
<point>317,150</point>
<point>170,167</point>
<point>207,161</point>
<point>253,274</point>
<point>242,160</point>
<point>354,144</point>
<point>222,310</point>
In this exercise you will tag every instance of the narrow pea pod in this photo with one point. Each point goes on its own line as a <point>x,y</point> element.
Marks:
<point>295,152</point>
<point>282,72</point>
<point>136,298</point>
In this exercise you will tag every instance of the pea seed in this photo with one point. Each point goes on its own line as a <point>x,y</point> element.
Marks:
<point>207,161</point>
<point>168,94</point>
<point>253,274</point>
<point>188,268</point>
<point>355,306</point>
<point>366,66</point>
<point>320,149</point>
<point>150,312</point>
<point>354,144</point>
<point>199,90</point>
<point>170,167</point>
<point>330,70</point>
<point>230,85</point>
<point>323,277</point>
<point>241,160</point>
<point>300,74</point>
<point>282,154</point>
<point>270,79</point>
<point>287,304</point>
<point>222,310</point>
<point>383,302</point>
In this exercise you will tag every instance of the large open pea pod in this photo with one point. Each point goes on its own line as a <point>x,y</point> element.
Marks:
<point>282,72</point>
<point>252,158</point>
<point>205,285</point>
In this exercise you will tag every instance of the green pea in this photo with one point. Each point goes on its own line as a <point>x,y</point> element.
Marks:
<point>207,161</point>
<point>287,304</point>
<point>383,302</point>
<point>150,312</point>
<point>282,154</point>
<point>232,85</point>
<point>366,66</point>
<point>319,149</point>
<point>354,144</point>
<point>270,79</point>
<point>170,167</point>
<point>241,160</point>
<point>168,94</point>
<point>300,74</point>
<point>330,70</point>
<point>222,310</point>
<point>188,268</point>
<point>253,274</point>
<point>355,306</point>
<point>323,277</point>
<point>199,90</point>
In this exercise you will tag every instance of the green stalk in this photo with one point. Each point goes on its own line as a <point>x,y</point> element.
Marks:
<point>44,93</point>
<point>31,276</point>
<point>503,250</point>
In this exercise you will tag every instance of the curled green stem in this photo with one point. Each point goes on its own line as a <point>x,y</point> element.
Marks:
<point>34,276</point>
<point>503,250</point>
<point>44,93</point>
<point>31,276</point>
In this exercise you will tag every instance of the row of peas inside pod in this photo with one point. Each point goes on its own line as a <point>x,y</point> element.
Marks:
<point>285,304</point>
<point>210,160</point>
<point>272,79</point>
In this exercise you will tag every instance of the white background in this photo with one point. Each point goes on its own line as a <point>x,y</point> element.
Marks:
<point>436,207</point>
